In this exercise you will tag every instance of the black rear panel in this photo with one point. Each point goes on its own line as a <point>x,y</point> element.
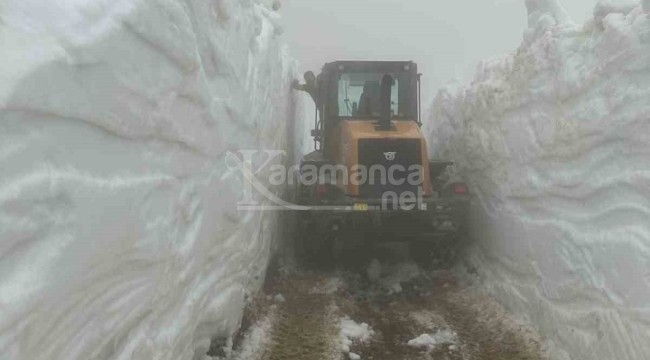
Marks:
<point>388,153</point>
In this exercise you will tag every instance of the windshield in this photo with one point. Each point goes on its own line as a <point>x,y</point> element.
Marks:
<point>359,94</point>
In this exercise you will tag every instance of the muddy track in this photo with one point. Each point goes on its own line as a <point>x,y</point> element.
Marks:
<point>398,318</point>
<point>398,308</point>
<point>304,328</point>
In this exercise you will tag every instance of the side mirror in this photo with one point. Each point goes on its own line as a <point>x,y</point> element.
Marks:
<point>317,134</point>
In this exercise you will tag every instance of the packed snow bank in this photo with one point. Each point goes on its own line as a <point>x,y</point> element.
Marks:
<point>119,238</point>
<point>555,141</point>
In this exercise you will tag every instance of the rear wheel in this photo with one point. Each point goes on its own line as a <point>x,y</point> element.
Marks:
<point>313,248</point>
<point>439,253</point>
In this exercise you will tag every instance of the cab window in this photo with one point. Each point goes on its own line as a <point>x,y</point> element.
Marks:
<point>359,95</point>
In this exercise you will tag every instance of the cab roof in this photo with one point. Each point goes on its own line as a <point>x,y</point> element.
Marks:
<point>362,65</point>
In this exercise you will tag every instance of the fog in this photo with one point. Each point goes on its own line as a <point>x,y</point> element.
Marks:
<point>446,38</point>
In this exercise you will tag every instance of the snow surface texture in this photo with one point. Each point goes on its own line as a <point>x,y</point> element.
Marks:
<point>119,238</point>
<point>555,140</point>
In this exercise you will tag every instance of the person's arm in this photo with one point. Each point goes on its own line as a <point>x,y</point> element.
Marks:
<point>298,86</point>
<point>311,90</point>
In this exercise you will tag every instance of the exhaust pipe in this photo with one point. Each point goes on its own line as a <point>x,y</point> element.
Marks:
<point>385,102</point>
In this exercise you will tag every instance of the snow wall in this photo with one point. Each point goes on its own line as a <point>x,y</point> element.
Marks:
<point>119,238</point>
<point>554,140</point>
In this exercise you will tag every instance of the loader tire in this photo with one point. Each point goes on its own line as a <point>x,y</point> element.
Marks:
<point>313,248</point>
<point>439,254</point>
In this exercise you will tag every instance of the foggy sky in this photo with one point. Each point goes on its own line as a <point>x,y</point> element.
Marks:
<point>447,38</point>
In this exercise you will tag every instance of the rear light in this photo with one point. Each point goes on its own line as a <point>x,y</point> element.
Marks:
<point>461,189</point>
<point>321,190</point>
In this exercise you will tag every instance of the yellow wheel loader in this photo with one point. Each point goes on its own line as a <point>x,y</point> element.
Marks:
<point>369,178</point>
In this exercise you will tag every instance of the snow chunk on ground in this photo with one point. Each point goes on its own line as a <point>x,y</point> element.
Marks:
<point>256,341</point>
<point>352,332</point>
<point>423,341</point>
<point>431,341</point>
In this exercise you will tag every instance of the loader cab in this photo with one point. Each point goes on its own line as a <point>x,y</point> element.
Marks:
<point>352,91</point>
